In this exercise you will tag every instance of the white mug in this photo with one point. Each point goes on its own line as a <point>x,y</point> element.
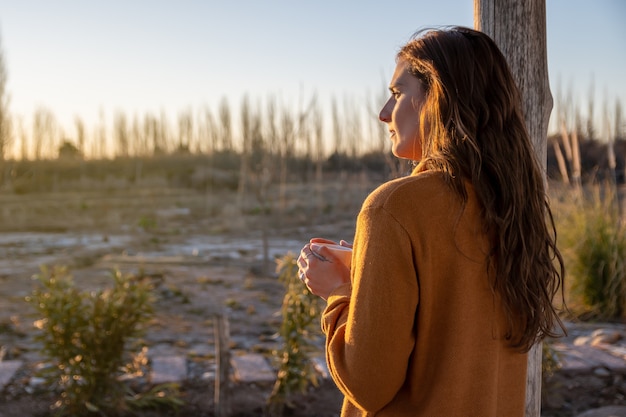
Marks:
<point>344,253</point>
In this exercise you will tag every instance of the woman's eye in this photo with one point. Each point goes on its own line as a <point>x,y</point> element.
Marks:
<point>395,94</point>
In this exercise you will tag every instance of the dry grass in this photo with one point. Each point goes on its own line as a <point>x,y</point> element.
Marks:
<point>592,239</point>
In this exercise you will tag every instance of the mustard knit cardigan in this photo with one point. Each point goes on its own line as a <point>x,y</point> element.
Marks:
<point>419,331</point>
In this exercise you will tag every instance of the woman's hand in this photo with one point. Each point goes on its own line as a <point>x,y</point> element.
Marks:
<point>321,270</point>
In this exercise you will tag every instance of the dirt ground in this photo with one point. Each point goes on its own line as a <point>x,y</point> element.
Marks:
<point>246,401</point>
<point>205,254</point>
<point>203,251</point>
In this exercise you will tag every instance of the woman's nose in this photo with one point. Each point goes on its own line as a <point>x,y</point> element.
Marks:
<point>385,114</point>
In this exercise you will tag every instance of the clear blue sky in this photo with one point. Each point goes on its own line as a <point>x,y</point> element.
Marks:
<point>78,57</point>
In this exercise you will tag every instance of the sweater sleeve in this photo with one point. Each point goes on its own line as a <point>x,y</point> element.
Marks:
<point>369,325</point>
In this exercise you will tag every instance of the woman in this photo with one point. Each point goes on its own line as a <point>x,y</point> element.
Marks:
<point>453,270</point>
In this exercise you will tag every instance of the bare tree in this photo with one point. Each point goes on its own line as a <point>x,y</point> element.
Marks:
<point>138,146</point>
<point>80,133</point>
<point>163,134</point>
<point>101,135</point>
<point>259,152</point>
<point>568,119</point>
<point>23,138</point>
<point>259,162</point>
<point>619,123</point>
<point>120,131</point>
<point>591,129</point>
<point>137,139</point>
<point>148,129</point>
<point>226,125</point>
<point>150,134</point>
<point>5,120</point>
<point>290,128</point>
<point>154,134</point>
<point>286,135</point>
<point>560,160</point>
<point>210,133</point>
<point>563,113</point>
<point>271,127</point>
<point>337,125</point>
<point>272,140</point>
<point>44,132</point>
<point>318,152</point>
<point>576,168</point>
<point>353,134</point>
<point>245,147</point>
<point>609,138</point>
<point>185,131</point>
<point>519,29</point>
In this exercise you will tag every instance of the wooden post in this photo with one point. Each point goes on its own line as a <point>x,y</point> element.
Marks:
<point>519,30</point>
<point>222,372</point>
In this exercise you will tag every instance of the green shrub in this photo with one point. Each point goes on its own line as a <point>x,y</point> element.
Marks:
<point>148,223</point>
<point>299,328</point>
<point>85,338</point>
<point>593,243</point>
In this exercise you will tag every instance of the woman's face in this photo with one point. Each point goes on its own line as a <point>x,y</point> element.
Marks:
<point>401,113</point>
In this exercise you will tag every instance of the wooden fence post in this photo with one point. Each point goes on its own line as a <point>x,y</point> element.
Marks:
<point>222,372</point>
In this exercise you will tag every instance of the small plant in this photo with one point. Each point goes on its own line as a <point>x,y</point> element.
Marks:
<point>300,318</point>
<point>550,364</point>
<point>147,223</point>
<point>86,337</point>
<point>550,359</point>
<point>173,291</point>
<point>233,304</point>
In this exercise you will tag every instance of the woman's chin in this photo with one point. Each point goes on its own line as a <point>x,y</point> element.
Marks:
<point>401,155</point>
<point>404,153</point>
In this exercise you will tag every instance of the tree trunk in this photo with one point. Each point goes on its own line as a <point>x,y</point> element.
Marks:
<point>519,29</point>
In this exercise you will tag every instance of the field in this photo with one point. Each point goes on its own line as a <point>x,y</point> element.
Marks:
<point>207,252</point>
<point>208,249</point>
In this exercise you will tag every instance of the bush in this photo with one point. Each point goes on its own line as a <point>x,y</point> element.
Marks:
<point>85,338</point>
<point>593,242</point>
<point>299,328</point>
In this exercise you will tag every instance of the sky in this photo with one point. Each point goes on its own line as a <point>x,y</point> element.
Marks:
<point>87,58</point>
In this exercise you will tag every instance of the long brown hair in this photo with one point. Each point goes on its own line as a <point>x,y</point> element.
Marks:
<point>473,129</point>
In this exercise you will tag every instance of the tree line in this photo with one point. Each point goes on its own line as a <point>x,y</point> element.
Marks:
<point>265,134</point>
